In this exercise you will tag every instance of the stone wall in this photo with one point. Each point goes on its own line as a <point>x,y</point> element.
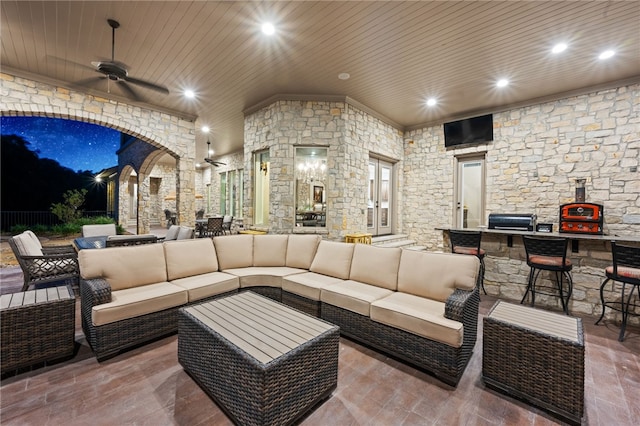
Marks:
<point>351,136</point>
<point>170,134</point>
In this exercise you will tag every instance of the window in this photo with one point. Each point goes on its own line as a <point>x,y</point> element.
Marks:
<point>311,194</point>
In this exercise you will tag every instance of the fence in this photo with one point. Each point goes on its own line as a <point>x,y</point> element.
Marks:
<point>8,219</point>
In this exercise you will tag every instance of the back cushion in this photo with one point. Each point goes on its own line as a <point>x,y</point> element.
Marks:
<point>234,251</point>
<point>33,237</point>
<point>375,265</point>
<point>99,230</point>
<point>436,275</point>
<point>172,233</point>
<point>185,233</point>
<point>125,267</point>
<point>301,249</point>
<point>333,259</point>
<point>186,258</point>
<point>27,246</point>
<point>269,250</point>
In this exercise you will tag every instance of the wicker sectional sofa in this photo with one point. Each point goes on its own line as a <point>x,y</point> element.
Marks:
<point>417,306</point>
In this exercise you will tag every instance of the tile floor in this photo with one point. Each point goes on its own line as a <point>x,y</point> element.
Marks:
<point>147,386</point>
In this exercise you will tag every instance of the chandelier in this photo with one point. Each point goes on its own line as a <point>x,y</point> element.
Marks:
<point>312,170</point>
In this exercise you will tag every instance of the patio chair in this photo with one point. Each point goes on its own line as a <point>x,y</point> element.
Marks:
<point>43,264</point>
<point>226,224</point>
<point>200,214</point>
<point>214,227</point>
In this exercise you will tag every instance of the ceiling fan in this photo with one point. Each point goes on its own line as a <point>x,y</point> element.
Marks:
<point>208,158</point>
<point>117,71</point>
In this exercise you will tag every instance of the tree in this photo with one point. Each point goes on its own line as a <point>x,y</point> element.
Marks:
<point>69,211</point>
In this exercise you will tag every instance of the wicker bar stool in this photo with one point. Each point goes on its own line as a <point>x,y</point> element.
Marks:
<point>468,242</point>
<point>625,269</point>
<point>548,254</point>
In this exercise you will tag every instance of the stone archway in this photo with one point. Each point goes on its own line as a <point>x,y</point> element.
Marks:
<point>167,133</point>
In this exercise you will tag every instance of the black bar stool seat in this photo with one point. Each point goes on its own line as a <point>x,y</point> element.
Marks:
<point>548,254</point>
<point>468,242</point>
<point>625,269</point>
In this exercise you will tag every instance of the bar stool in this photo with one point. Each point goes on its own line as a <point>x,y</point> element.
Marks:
<point>468,242</point>
<point>625,269</point>
<point>548,254</point>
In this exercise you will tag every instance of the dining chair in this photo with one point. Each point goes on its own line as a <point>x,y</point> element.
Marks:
<point>214,226</point>
<point>548,254</point>
<point>626,270</point>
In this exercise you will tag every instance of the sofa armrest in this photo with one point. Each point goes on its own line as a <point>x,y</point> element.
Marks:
<point>462,306</point>
<point>95,292</point>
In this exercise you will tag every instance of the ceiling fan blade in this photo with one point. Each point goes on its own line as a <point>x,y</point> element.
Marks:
<point>215,163</point>
<point>148,85</point>
<point>129,90</point>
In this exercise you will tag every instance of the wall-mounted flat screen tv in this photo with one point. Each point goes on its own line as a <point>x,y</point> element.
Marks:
<point>470,131</point>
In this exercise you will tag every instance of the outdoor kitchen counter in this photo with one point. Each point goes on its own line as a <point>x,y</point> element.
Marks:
<point>506,270</point>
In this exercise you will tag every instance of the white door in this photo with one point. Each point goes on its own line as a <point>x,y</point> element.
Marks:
<point>470,193</point>
<point>380,202</point>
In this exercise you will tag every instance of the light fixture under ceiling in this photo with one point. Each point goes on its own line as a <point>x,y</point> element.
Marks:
<point>208,157</point>
<point>344,76</point>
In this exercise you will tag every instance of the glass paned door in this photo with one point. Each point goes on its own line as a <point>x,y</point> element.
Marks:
<point>380,200</point>
<point>470,193</point>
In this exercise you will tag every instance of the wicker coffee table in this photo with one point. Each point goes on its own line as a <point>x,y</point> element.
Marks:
<point>537,356</point>
<point>262,362</point>
<point>36,326</point>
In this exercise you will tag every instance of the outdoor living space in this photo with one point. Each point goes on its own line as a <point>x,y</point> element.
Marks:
<point>147,385</point>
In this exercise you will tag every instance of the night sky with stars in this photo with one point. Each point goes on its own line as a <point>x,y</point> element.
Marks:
<point>73,144</point>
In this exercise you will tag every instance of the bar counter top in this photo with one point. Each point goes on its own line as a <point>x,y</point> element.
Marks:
<point>571,236</point>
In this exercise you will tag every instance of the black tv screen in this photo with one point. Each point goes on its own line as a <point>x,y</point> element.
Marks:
<point>469,131</point>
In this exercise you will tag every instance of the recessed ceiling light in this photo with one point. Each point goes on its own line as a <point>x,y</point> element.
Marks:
<point>344,76</point>
<point>503,82</point>
<point>431,102</point>
<point>268,28</point>
<point>607,54</point>
<point>559,48</point>
<point>205,129</point>
<point>210,152</point>
<point>189,94</point>
<point>197,164</point>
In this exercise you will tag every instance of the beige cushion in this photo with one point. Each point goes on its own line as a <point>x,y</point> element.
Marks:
<point>436,275</point>
<point>190,257</point>
<point>308,284</point>
<point>125,267</point>
<point>375,265</point>
<point>136,301</point>
<point>353,296</point>
<point>269,250</point>
<point>33,237</point>
<point>99,230</point>
<point>259,276</point>
<point>234,251</point>
<point>27,246</point>
<point>301,249</point>
<point>185,233</point>
<point>417,315</point>
<point>172,233</point>
<point>333,259</point>
<point>207,285</point>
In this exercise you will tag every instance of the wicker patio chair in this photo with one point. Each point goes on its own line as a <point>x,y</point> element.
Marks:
<point>214,227</point>
<point>43,264</point>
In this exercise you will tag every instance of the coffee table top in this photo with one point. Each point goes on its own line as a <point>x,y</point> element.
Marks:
<point>545,322</point>
<point>257,325</point>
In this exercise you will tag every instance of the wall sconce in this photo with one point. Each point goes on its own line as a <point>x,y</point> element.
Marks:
<point>263,167</point>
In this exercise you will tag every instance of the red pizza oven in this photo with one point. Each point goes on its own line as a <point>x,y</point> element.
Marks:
<point>581,218</point>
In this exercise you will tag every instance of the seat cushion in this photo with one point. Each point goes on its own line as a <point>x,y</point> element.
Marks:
<point>333,258</point>
<point>624,271</point>
<point>418,315</point>
<point>468,250</point>
<point>375,265</point>
<point>308,284</point>
<point>137,301</point>
<point>554,261</point>
<point>190,257</point>
<point>125,267</point>
<point>353,296</point>
<point>263,276</point>
<point>269,250</point>
<point>234,251</point>
<point>301,250</point>
<point>207,285</point>
<point>436,275</point>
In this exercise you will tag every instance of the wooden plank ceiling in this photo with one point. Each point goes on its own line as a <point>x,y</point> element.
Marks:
<point>397,53</point>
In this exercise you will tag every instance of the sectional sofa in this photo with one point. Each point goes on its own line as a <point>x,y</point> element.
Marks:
<point>417,306</point>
